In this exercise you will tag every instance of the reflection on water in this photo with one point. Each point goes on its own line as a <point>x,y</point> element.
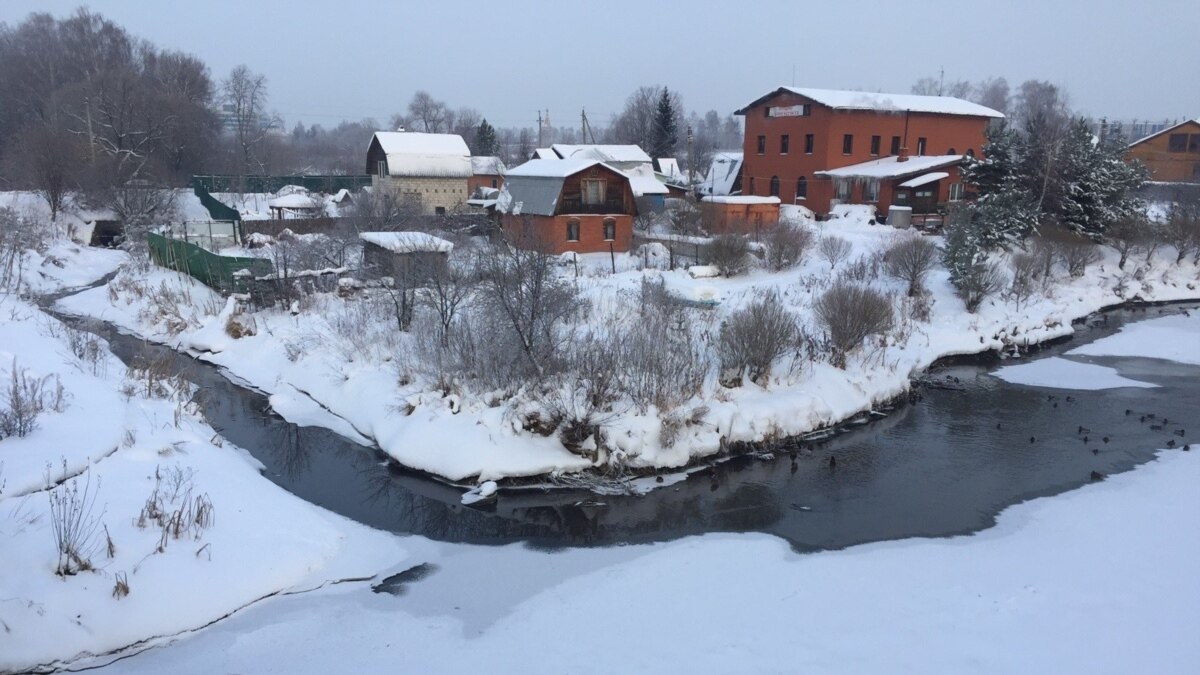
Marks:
<point>944,465</point>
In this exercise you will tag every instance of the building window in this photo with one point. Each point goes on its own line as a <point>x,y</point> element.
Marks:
<point>774,186</point>
<point>841,189</point>
<point>801,187</point>
<point>895,145</point>
<point>921,146</point>
<point>381,167</point>
<point>847,144</point>
<point>767,111</point>
<point>951,152</point>
<point>808,144</point>
<point>956,192</point>
<point>762,145</point>
<point>572,230</point>
<point>610,229</point>
<point>784,141</point>
<point>493,182</point>
<point>593,192</point>
<point>971,153</point>
<point>875,146</point>
<point>1177,143</point>
<point>871,191</point>
<point>901,197</point>
<point>1194,143</point>
<point>439,210</point>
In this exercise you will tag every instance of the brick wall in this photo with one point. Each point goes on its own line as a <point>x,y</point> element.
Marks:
<point>447,193</point>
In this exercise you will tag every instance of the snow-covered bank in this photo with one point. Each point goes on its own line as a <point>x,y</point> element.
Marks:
<point>1094,581</point>
<point>359,368</point>
<point>177,529</point>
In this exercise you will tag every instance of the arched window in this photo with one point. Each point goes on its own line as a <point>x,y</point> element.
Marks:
<point>573,230</point>
<point>971,153</point>
<point>951,152</point>
<point>801,187</point>
<point>774,186</point>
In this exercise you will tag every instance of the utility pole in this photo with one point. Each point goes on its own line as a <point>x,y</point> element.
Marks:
<point>941,80</point>
<point>540,143</point>
<point>689,150</point>
<point>583,125</point>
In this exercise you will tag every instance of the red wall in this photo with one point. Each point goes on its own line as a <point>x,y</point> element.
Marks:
<point>484,180</point>
<point>549,233</point>
<point>943,133</point>
<point>739,218</point>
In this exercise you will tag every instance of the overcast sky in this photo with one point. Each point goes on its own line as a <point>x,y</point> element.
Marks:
<point>349,59</point>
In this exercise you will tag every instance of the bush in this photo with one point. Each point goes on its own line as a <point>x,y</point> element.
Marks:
<point>833,250</point>
<point>73,524</point>
<point>753,337</point>
<point>849,313</point>
<point>729,253</point>
<point>1025,269</point>
<point>1129,235</point>
<point>909,260</point>
<point>1075,251</point>
<point>25,399</point>
<point>786,246</point>
<point>965,257</point>
<point>977,282</point>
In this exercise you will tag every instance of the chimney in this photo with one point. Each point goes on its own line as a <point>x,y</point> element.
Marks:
<point>903,156</point>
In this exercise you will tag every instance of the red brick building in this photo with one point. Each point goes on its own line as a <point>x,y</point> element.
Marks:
<point>795,137</point>
<point>1171,155</point>
<point>486,172</point>
<point>559,205</point>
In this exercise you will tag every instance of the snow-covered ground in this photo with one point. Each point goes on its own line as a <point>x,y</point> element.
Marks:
<point>1063,373</point>
<point>130,442</point>
<point>354,369</point>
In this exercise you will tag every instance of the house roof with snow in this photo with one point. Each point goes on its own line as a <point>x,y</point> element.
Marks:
<point>669,166</point>
<point>740,199</point>
<point>644,182</point>
<point>840,99</point>
<point>545,153</point>
<point>621,154</point>
<point>487,166</point>
<point>407,242</point>
<point>1164,131</point>
<point>293,200</point>
<point>413,154</point>
<point>722,173</point>
<point>892,167</point>
<point>533,188</point>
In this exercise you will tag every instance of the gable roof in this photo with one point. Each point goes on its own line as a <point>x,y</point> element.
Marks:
<point>407,242</point>
<point>1167,130</point>
<point>534,187</point>
<point>644,182</point>
<point>489,166</point>
<point>604,153</point>
<point>722,173</point>
<point>411,153</point>
<point>840,99</point>
<point>891,167</point>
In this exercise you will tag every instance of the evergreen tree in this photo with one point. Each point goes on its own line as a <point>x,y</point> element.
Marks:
<point>965,256</point>
<point>485,140</point>
<point>996,171</point>
<point>666,128</point>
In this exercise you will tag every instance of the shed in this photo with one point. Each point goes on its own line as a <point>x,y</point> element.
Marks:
<point>738,214</point>
<point>407,255</point>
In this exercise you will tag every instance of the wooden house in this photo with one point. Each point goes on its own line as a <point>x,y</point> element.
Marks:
<point>403,255</point>
<point>1171,155</point>
<point>559,205</point>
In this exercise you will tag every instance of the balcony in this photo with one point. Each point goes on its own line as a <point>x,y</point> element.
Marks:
<point>610,206</point>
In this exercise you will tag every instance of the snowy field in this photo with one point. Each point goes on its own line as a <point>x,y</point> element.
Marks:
<point>360,371</point>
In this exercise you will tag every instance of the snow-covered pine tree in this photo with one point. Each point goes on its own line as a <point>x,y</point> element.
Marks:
<point>994,172</point>
<point>485,140</point>
<point>1003,214</point>
<point>665,134</point>
<point>965,256</point>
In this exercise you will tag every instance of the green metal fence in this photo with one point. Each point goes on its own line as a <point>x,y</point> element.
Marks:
<point>216,209</point>
<point>326,184</point>
<point>226,274</point>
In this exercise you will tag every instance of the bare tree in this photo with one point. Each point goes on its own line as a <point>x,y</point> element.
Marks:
<point>1129,235</point>
<point>246,94</point>
<point>48,158</point>
<point>1025,273</point>
<point>909,260</point>
<point>753,338</point>
<point>993,93</point>
<point>428,113</point>
<point>849,313</point>
<point>833,250</point>
<point>449,288</point>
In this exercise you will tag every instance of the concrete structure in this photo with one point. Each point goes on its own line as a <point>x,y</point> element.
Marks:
<point>795,137</point>
<point>559,205</point>
<point>435,168</point>
<point>1171,155</point>
<point>739,214</point>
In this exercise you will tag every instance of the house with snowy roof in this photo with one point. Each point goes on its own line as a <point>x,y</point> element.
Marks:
<point>724,175</point>
<point>618,156</point>
<point>432,168</point>
<point>559,205</point>
<point>820,147</point>
<point>486,172</point>
<point>1171,155</point>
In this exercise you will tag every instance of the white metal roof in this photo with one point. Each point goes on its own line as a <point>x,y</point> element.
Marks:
<point>411,153</point>
<point>865,100</point>
<point>925,179</point>
<point>604,153</point>
<point>490,166</point>
<point>723,172</point>
<point>644,182</point>
<point>891,167</point>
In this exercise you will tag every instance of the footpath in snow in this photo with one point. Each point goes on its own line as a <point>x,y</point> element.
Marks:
<point>354,366</point>
<point>173,529</point>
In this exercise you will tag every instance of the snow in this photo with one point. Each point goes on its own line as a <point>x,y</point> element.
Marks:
<point>410,153</point>
<point>407,242</point>
<point>1097,580</point>
<point>722,173</point>
<point>294,200</point>
<point>741,199</point>
<point>116,438</point>
<point>865,100</point>
<point>931,177</point>
<point>555,168</point>
<point>1170,337</point>
<point>644,182</point>
<point>604,153</point>
<point>1060,373</point>
<point>892,167</point>
<point>487,166</point>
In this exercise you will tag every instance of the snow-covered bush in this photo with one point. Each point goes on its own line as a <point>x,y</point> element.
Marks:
<point>729,253</point>
<point>1074,251</point>
<point>849,313</point>
<point>1182,231</point>
<point>74,524</point>
<point>833,250</point>
<point>786,245</point>
<point>1025,269</point>
<point>17,235</point>
<point>1128,236</point>
<point>752,339</point>
<point>25,398</point>
<point>909,260</point>
<point>965,257</point>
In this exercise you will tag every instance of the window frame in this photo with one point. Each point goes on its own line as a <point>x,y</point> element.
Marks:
<point>922,144</point>
<point>810,141</point>
<point>847,144</point>
<point>956,192</point>
<point>875,143</point>
<point>773,187</point>
<point>843,190</point>
<point>870,191</point>
<point>583,188</point>
<point>785,140</point>
<point>573,224</point>
<point>1174,146</point>
<point>895,145</point>
<point>762,144</point>
<point>801,188</point>
<point>609,229</point>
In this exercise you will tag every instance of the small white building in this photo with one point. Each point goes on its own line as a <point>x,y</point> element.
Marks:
<point>435,168</point>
